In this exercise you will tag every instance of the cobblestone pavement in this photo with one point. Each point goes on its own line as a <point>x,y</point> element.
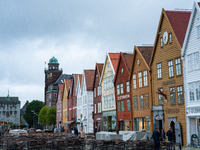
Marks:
<point>186,148</point>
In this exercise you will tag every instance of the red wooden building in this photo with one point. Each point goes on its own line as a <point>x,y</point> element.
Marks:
<point>97,116</point>
<point>122,92</point>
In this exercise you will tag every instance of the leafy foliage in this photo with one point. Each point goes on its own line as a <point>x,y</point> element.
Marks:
<point>42,117</point>
<point>35,106</point>
<point>51,116</point>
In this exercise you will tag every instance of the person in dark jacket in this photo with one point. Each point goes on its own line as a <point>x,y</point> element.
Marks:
<point>163,135</point>
<point>76,131</point>
<point>156,138</point>
<point>170,135</point>
<point>110,130</point>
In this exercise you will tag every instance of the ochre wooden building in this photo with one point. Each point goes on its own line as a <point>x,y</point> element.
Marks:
<point>167,74</point>
<point>141,88</point>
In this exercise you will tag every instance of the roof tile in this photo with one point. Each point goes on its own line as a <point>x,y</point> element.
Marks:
<point>100,68</point>
<point>146,52</point>
<point>179,21</point>
<point>128,58</point>
<point>89,78</point>
<point>114,57</point>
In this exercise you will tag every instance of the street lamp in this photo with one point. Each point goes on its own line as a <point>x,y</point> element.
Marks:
<point>34,113</point>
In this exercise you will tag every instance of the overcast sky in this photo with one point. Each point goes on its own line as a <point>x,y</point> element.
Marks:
<point>78,33</point>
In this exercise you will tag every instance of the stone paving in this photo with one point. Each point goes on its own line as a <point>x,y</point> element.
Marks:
<point>186,148</point>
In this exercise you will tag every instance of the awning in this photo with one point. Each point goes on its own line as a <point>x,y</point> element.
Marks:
<point>69,122</point>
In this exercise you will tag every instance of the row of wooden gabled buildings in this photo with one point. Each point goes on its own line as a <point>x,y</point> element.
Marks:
<point>140,90</point>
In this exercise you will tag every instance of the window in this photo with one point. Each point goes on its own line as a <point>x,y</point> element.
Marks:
<point>190,68</point>
<point>159,72</point>
<point>109,80</point>
<point>172,95</point>
<point>122,88</point>
<point>113,103</point>
<point>118,90</point>
<point>119,107</point>
<point>104,84</point>
<point>161,42</point>
<point>196,60</point>
<point>99,107</point>
<point>140,78</point>
<point>160,97</point>
<point>95,108</point>
<point>105,104</point>
<point>135,102</point>
<point>127,87</point>
<point>99,90</point>
<point>109,99</point>
<point>170,38</point>
<point>108,66</point>
<point>66,114</point>
<point>72,102</point>
<point>178,66</point>
<point>122,103</point>
<point>146,97</point>
<point>94,92</point>
<point>134,81</point>
<point>145,78</point>
<point>122,70</point>
<point>141,102</point>
<point>170,67</point>
<point>128,104</point>
<point>180,94</point>
<point>198,31</point>
<point>197,89</point>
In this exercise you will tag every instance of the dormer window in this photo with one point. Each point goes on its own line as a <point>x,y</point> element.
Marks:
<point>122,70</point>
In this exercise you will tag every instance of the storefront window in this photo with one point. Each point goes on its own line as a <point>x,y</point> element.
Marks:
<point>140,123</point>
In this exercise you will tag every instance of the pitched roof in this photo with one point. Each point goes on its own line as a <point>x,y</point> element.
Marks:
<point>80,79</point>
<point>114,58</point>
<point>128,59</point>
<point>146,52</point>
<point>100,68</point>
<point>89,78</point>
<point>60,80</point>
<point>68,83</point>
<point>14,100</point>
<point>179,22</point>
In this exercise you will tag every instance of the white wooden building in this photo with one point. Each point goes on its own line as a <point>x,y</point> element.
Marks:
<point>85,101</point>
<point>191,65</point>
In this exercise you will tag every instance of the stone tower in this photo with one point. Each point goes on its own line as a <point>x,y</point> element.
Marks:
<point>51,75</point>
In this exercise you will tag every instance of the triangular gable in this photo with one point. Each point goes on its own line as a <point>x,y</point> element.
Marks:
<point>60,90</point>
<point>113,59</point>
<point>127,60</point>
<point>194,10</point>
<point>78,87</point>
<point>145,53</point>
<point>89,79</point>
<point>171,19</point>
<point>98,70</point>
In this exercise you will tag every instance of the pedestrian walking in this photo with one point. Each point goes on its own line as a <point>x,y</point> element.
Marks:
<point>95,131</point>
<point>82,133</point>
<point>156,138</point>
<point>170,135</point>
<point>163,135</point>
<point>76,131</point>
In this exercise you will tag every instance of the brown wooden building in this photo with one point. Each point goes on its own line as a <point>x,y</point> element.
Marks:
<point>122,92</point>
<point>97,116</point>
<point>167,74</point>
<point>141,88</point>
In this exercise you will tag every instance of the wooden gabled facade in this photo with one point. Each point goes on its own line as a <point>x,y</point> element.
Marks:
<point>167,74</point>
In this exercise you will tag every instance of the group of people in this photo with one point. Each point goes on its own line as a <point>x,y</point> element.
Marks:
<point>157,135</point>
<point>82,132</point>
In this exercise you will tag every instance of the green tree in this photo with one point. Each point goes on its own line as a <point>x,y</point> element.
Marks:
<point>42,117</point>
<point>51,116</point>
<point>32,111</point>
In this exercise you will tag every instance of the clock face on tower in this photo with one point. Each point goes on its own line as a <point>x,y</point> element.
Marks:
<point>165,37</point>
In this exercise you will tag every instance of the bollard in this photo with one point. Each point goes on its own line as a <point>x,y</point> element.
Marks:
<point>14,146</point>
<point>51,145</point>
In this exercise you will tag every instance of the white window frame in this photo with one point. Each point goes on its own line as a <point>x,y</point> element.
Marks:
<point>159,70</point>
<point>122,88</point>
<point>94,92</point>
<point>118,90</point>
<point>134,82</point>
<point>196,60</point>
<point>145,78</point>
<point>95,108</point>
<point>161,42</point>
<point>99,107</point>
<point>127,87</point>
<point>190,62</point>
<point>140,79</point>
<point>178,66</point>
<point>171,68</point>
